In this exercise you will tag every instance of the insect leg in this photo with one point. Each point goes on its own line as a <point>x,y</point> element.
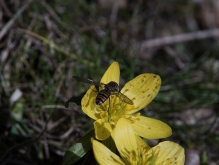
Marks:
<point>109,109</point>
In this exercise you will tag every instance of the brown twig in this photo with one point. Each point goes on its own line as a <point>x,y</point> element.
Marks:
<point>5,8</point>
<point>185,37</point>
<point>113,18</point>
<point>9,24</point>
<point>56,17</point>
<point>28,142</point>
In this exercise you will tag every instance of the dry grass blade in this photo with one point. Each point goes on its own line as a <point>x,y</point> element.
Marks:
<point>10,23</point>
<point>44,43</point>
<point>5,8</point>
<point>28,142</point>
<point>157,42</point>
<point>52,44</point>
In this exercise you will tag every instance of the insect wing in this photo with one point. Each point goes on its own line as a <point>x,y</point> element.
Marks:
<point>124,98</point>
<point>88,81</point>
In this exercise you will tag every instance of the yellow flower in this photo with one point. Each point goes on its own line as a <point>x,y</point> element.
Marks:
<point>141,90</point>
<point>134,151</point>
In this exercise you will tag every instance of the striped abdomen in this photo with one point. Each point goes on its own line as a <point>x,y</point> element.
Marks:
<point>102,96</point>
<point>109,89</point>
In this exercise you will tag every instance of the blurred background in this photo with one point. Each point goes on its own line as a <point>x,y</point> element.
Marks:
<point>43,43</point>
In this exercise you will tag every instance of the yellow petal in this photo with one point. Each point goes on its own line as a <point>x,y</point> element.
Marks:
<point>88,103</point>
<point>142,143</point>
<point>104,156</point>
<point>111,74</point>
<point>102,129</point>
<point>125,139</point>
<point>169,152</point>
<point>151,128</point>
<point>142,90</point>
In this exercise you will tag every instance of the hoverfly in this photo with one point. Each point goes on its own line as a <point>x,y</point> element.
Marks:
<point>112,88</point>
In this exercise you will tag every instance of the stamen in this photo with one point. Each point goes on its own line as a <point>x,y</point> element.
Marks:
<point>113,113</point>
<point>103,115</point>
<point>112,123</point>
<point>132,118</point>
<point>137,114</point>
<point>117,107</point>
<point>132,159</point>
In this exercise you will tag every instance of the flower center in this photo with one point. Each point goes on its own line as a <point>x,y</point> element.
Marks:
<point>139,156</point>
<point>112,109</point>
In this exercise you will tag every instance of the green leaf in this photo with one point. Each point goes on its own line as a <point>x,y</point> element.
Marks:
<point>75,99</point>
<point>79,149</point>
<point>17,111</point>
<point>109,143</point>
